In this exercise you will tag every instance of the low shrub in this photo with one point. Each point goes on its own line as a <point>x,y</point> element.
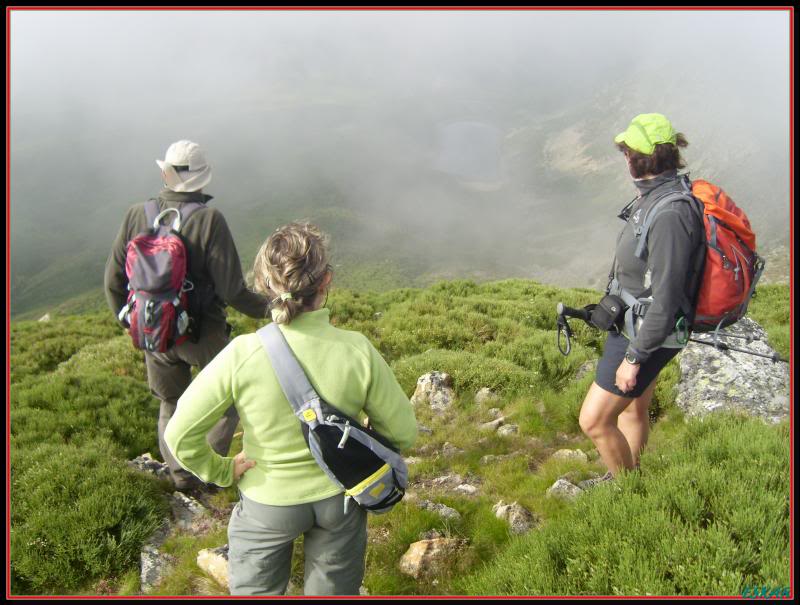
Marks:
<point>470,371</point>
<point>708,515</point>
<point>38,347</point>
<point>78,514</point>
<point>62,408</point>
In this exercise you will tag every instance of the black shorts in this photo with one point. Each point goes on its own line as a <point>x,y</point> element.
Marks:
<point>614,353</point>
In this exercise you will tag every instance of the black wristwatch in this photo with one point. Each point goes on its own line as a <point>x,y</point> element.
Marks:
<point>632,359</point>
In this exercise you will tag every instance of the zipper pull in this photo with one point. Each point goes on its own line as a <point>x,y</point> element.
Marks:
<point>345,436</point>
<point>346,503</point>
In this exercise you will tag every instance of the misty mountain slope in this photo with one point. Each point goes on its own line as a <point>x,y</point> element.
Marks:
<point>79,399</point>
<point>412,183</point>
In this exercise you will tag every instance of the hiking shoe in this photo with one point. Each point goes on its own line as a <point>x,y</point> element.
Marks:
<point>590,483</point>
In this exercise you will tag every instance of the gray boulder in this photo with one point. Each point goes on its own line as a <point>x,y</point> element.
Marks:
<point>447,480</point>
<point>154,564</point>
<point>570,455</point>
<point>485,395</point>
<point>466,489</point>
<point>449,450</point>
<point>186,510</point>
<point>492,426</point>
<point>214,561</point>
<point>146,464</point>
<point>518,517</point>
<point>713,380</point>
<point>429,558</point>
<point>491,458</point>
<point>441,509</point>
<point>564,490</point>
<point>507,430</point>
<point>435,389</point>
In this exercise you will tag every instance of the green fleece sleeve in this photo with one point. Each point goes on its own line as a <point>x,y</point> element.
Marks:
<point>200,407</point>
<point>389,410</point>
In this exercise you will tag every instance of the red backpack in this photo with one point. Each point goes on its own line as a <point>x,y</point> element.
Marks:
<point>730,267</point>
<point>156,264</point>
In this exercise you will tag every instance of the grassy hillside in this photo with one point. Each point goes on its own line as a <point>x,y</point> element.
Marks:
<point>701,517</point>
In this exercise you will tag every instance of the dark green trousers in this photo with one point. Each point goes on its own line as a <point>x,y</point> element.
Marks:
<point>169,374</point>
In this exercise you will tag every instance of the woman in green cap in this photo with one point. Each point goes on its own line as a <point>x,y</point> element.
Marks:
<point>661,275</point>
<point>283,491</point>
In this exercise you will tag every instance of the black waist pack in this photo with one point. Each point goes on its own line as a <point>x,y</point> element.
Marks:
<point>609,313</point>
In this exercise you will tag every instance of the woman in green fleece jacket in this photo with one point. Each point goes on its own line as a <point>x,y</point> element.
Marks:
<point>284,493</point>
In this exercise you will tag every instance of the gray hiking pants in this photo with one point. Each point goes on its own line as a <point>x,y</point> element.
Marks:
<point>261,539</point>
<point>169,374</point>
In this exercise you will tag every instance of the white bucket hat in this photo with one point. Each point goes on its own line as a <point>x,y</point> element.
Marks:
<point>193,171</point>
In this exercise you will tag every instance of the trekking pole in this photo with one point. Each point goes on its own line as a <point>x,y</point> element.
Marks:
<point>562,326</point>
<point>721,346</point>
<point>565,311</point>
<point>746,337</point>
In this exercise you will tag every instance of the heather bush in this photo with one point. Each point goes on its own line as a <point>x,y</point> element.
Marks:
<point>77,514</point>
<point>708,514</point>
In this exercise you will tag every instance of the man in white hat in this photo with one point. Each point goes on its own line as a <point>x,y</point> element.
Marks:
<point>216,273</point>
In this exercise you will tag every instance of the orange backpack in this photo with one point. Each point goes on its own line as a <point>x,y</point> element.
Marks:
<point>731,266</point>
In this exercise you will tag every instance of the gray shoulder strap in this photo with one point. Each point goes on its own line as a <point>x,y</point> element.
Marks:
<point>292,378</point>
<point>188,210</point>
<point>151,211</point>
<point>653,213</point>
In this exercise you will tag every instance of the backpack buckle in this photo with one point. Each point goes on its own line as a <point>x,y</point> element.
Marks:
<point>176,224</point>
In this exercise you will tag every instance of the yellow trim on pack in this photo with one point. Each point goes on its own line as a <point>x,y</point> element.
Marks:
<point>357,489</point>
<point>378,489</point>
<point>309,415</point>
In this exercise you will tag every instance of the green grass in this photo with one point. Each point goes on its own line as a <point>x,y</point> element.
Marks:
<point>695,521</point>
<point>77,512</point>
<point>770,307</point>
<point>688,525</point>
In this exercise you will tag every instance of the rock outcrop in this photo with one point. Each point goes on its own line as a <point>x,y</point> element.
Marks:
<point>519,518</point>
<point>713,380</point>
<point>214,561</point>
<point>486,395</point>
<point>154,564</point>
<point>508,430</point>
<point>187,514</point>
<point>449,450</point>
<point>429,558</point>
<point>564,490</point>
<point>441,509</point>
<point>146,464</point>
<point>434,389</point>
<point>571,455</point>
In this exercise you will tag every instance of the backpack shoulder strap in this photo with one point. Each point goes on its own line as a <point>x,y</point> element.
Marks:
<point>151,211</point>
<point>188,210</point>
<point>658,207</point>
<point>292,378</point>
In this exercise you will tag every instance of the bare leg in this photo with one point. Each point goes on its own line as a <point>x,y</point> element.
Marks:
<point>598,420</point>
<point>634,422</point>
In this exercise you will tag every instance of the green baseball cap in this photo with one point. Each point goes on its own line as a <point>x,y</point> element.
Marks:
<point>646,131</point>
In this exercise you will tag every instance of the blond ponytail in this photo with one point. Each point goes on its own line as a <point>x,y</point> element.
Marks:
<point>290,268</point>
